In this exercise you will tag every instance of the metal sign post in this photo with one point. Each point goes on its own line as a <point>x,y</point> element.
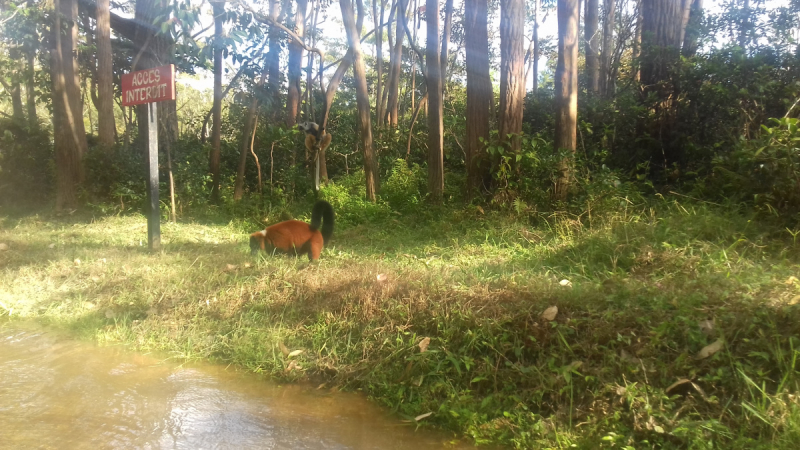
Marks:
<point>148,87</point>
<point>154,212</point>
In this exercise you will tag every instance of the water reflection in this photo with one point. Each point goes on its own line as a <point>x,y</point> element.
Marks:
<point>56,393</point>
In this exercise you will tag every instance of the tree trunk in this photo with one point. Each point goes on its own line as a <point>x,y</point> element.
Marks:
<point>15,91</point>
<point>592,43</point>
<point>662,36</point>
<point>30,90</point>
<point>536,50</point>
<point>310,69</point>
<point>433,80</point>
<point>609,10</point>
<point>566,92</point>
<point>69,134</point>
<point>663,29</point>
<point>295,61</point>
<point>479,94</point>
<point>362,97</point>
<point>692,35</point>
<point>216,125</point>
<point>106,127</point>
<point>393,84</point>
<point>274,60</point>
<point>448,26</point>
<point>512,66</point>
<point>249,130</point>
<point>378,22</point>
<point>637,43</point>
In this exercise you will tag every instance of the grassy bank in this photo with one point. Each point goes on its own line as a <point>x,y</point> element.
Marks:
<point>442,313</point>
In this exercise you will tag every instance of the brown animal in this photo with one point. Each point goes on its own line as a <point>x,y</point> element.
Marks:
<point>295,236</point>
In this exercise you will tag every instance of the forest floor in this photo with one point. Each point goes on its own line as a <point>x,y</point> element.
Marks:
<point>677,324</point>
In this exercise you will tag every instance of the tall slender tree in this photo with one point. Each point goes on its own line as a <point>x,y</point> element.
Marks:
<point>479,94</point>
<point>295,61</point>
<point>566,88</point>
<point>433,80</point>
<point>512,69</point>
<point>362,96</point>
<point>395,60</point>
<point>378,22</point>
<point>274,57</point>
<point>69,134</point>
<point>692,35</point>
<point>448,27</point>
<point>106,128</point>
<point>537,51</point>
<point>663,28</point>
<point>218,9</point>
<point>609,11</point>
<point>592,44</point>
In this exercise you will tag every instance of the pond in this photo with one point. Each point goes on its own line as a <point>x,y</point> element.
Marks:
<point>56,392</point>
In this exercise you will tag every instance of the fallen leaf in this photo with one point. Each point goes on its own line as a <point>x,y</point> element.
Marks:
<point>423,344</point>
<point>294,353</point>
<point>706,326</point>
<point>382,277</point>
<point>550,313</point>
<point>51,246</point>
<point>565,283</point>
<point>480,209</point>
<point>422,416</point>
<point>710,349</point>
<point>795,300</point>
<point>77,262</point>
<point>791,280</point>
<point>230,267</point>
<point>247,265</point>
<point>3,246</point>
<point>283,348</point>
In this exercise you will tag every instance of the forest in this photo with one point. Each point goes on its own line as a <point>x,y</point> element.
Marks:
<point>583,237</point>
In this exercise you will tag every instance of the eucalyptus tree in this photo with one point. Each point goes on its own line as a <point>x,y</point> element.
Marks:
<point>479,94</point>
<point>69,134</point>
<point>566,91</point>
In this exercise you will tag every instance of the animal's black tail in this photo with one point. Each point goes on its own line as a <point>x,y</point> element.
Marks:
<point>322,214</point>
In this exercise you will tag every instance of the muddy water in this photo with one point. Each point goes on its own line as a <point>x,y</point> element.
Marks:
<point>57,393</point>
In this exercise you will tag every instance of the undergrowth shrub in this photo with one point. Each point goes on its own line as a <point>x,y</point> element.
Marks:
<point>26,164</point>
<point>347,195</point>
<point>764,171</point>
<point>403,189</point>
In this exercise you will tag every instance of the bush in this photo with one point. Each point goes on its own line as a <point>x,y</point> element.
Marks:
<point>26,167</point>
<point>764,171</point>
<point>348,198</point>
<point>403,189</point>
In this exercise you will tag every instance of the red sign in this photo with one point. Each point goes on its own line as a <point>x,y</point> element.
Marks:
<point>148,86</point>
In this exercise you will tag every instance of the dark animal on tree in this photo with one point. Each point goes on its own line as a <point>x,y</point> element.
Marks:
<point>317,139</point>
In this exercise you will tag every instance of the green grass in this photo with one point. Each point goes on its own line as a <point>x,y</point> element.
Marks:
<point>643,280</point>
